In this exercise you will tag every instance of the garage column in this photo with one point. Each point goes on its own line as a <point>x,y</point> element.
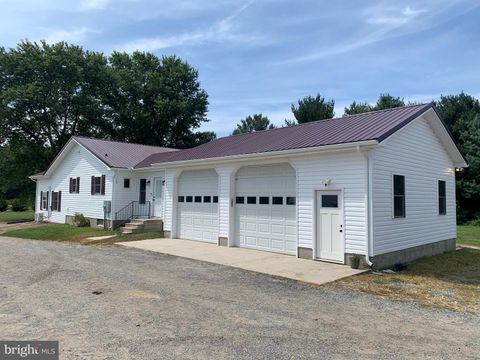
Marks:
<point>226,194</point>
<point>170,216</point>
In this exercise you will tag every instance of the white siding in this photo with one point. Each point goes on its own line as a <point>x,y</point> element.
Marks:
<point>347,172</point>
<point>77,163</point>
<point>225,194</point>
<point>171,178</point>
<point>416,153</point>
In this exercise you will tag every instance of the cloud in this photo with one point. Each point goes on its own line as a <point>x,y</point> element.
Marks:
<point>72,35</point>
<point>222,31</point>
<point>93,4</point>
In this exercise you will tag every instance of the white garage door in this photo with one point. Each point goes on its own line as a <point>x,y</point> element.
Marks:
<point>197,211</point>
<point>265,208</point>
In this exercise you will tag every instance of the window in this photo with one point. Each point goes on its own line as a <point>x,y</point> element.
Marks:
<point>277,200</point>
<point>181,199</point>
<point>398,196</point>
<point>74,185</point>
<point>143,191</point>
<point>442,197</point>
<point>56,200</point>
<point>198,199</point>
<point>330,201</point>
<point>44,200</point>
<point>98,185</point>
<point>240,200</point>
<point>264,200</point>
<point>215,199</point>
<point>291,200</point>
<point>251,199</point>
<point>207,199</point>
<point>126,183</point>
<point>189,198</point>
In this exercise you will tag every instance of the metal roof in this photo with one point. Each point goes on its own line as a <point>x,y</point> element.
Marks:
<point>120,154</point>
<point>374,125</point>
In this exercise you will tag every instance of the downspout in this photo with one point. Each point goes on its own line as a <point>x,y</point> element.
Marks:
<point>368,204</point>
<point>112,208</point>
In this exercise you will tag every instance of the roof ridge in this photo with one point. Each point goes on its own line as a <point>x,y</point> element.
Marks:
<point>324,120</point>
<point>121,142</point>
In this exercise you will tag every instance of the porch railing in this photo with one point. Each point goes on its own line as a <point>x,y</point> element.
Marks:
<point>134,210</point>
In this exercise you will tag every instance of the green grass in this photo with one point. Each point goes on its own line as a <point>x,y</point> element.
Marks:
<point>57,232</point>
<point>468,235</point>
<point>10,215</point>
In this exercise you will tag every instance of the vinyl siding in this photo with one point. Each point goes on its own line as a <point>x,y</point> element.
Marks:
<point>416,153</point>
<point>347,172</point>
<point>225,193</point>
<point>170,201</point>
<point>77,163</point>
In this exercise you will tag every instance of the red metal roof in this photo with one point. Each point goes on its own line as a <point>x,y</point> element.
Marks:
<point>375,125</point>
<point>120,154</point>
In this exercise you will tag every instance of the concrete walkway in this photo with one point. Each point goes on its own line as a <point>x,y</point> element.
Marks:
<point>313,272</point>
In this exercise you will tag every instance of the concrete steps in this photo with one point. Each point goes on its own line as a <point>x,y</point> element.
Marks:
<point>142,225</point>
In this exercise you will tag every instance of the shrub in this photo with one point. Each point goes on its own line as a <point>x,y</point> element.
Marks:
<point>475,222</point>
<point>3,205</point>
<point>80,221</point>
<point>18,205</point>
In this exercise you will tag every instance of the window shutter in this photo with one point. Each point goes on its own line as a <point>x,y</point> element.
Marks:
<point>48,200</point>
<point>41,200</point>
<point>93,185</point>
<point>103,184</point>
<point>70,187</point>
<point>78,185</point>
<point>59,201</point>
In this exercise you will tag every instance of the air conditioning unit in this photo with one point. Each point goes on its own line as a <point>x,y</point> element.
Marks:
<point>39,217</point>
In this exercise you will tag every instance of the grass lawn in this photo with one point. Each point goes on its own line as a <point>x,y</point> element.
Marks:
<point>450,280</point>
<point>468,235</point>
<point>63,232</point>
<point>10,215</point>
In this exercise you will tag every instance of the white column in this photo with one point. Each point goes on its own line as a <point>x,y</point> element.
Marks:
<point>226,204</point>
<point>170,215</point>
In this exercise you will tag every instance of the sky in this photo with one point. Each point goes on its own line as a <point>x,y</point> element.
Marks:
<point>261,56</point>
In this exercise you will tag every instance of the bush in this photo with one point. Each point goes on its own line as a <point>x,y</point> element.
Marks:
<point>80,221</point>
<point>18,205</point>
<point>3,205</point>
<point>475,222</point>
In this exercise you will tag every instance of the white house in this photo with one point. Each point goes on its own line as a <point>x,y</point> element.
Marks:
<point>379,184</point>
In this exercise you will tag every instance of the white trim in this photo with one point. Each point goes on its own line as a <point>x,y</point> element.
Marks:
<point>392,196</point>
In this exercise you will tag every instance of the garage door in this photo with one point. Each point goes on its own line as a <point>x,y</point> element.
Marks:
<point>265,208</point>
<point>197,211</point>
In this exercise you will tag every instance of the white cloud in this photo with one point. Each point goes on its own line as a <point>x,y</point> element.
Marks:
<point>222,31</point>
<point>93,4</point>
<point>71,35</point>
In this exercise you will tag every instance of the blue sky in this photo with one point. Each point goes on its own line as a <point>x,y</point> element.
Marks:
<point>261,56</point>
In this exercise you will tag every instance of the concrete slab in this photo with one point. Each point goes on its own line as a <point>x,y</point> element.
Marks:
<point>98,238</point>
<point>287,266</point>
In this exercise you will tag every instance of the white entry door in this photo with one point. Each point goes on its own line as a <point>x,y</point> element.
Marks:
<point>329,226</point>
<point>158,197</point>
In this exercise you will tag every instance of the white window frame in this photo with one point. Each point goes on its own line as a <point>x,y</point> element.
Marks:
<point>404,197</point>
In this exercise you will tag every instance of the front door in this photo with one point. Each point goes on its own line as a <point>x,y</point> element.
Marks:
<point>158,197</point>
<point>329,226</point>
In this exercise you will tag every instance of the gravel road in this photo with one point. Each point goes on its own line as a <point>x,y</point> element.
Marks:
<point>152,306</point>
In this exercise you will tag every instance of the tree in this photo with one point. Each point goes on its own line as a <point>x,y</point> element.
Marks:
<point>357,108</point>
<point>313,108</point>
<point>289,122</point>
<point>387,101</point>
<point>461,113</point>
<point>257,122</point>
<point>156,101</point>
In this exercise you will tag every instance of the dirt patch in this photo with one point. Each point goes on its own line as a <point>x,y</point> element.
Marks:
<point>24,225</point>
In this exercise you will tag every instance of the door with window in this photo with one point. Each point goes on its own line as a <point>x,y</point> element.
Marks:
<point>158,197</point>
<point>329,226</point>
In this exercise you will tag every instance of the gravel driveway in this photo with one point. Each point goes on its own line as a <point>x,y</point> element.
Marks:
<point>152,306</point>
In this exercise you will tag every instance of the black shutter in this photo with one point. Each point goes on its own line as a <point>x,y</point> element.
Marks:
<point>41,199</point>
<point>70,188</point>
<point>93,185</point>
<point>78,185</point>
<point>103,184</point>
<point>59,201</point>
<point>48,199</point>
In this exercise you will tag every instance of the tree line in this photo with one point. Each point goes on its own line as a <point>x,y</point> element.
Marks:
<point>49,92</point>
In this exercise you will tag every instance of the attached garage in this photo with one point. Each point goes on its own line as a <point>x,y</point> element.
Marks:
<point>265,208</point>
<point>197,211</point>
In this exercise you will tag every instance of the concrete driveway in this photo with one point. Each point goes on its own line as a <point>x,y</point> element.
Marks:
<point>313,272</point>
<point>119,303</point>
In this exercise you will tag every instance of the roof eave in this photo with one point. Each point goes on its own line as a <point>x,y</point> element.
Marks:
<point>266,155</point>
